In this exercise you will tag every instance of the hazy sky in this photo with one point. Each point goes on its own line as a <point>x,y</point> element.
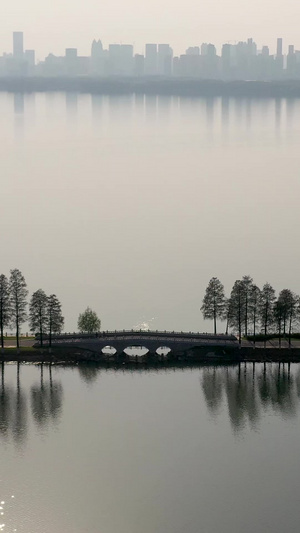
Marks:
<point>59,24</point>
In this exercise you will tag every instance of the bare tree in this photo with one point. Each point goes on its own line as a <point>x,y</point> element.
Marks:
<point>253,307</point>
<point>294,313</point>
<point>286,301</point>
<point>55,318</point>
<point>5,306</point>
<point>266,307</point>
<point>236,310</point>
<point>214,302</point>
<point>18,294</point>
<point>38,316</point>
<point>279,317</point>
<point>247,284</point>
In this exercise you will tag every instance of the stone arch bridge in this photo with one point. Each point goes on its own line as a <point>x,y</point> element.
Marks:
<point>179,343</point>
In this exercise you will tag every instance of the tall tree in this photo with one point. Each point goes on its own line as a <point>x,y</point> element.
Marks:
<point>55,318</point>
<point>247,284</point>
<point>253,307</point>
<point>38,316</point>
<point>88,321</point>
<point>214,302</point>
<point>279,317</point>
<point>266,307</point>
<point>237,307</point>
<point>18,294</point>
<point>286,301</point>
<point>5,307</point>
<point>294,314</point>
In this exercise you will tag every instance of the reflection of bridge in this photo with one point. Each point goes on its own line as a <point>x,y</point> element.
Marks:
<point>179,343</point>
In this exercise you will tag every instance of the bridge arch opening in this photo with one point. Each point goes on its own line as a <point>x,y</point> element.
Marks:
<point>163,351</point>
<point>109,350</point>
<point>136,351</point>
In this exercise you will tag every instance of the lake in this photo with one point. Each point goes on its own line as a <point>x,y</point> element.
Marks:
<point>131,204</point>
<point>212,449</point>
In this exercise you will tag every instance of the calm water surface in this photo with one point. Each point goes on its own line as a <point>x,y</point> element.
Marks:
<point>130,204</point>
<point>86,449</point>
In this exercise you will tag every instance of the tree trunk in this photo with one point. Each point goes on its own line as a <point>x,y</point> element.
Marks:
<point>2,336</point>
<point>246,317</point>
<point>290,330</point>
<point>266,325</point>
<point>17,334</point>
<point>41,336</point>
<point>2,326</point>
<point>50,335</point>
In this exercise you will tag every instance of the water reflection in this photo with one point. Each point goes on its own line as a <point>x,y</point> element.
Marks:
<point>15,409</point>
<point>251,391</point>
<point>89,372</point>
<point>46,399</point>
<point>19,103</point>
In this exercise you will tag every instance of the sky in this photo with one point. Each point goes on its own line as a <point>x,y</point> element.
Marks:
<point>53,26</point>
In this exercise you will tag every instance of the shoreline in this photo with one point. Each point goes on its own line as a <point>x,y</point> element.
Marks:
<point>190,87</point>
<point>242,355</point>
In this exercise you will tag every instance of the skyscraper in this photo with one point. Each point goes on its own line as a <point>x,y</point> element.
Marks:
<point>151,59</point>
<point>18,44</point>
<point>279,57</point>
<point>279,47</point>
<point>164,59</point>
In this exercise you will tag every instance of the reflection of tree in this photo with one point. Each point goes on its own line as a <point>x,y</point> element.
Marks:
<point>250,391</point>
<point>277,389</point>
<point>297,382</point>
<point>242,400</point>
<point>13,410</point>
<point>46,399</point>
<point>5,405</point>
<point>19,421</point>
<point>212,385</point>
<point>89,372</point>
<point>46,404</point>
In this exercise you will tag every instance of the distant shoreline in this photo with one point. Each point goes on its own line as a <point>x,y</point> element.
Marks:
<point>153,86</point>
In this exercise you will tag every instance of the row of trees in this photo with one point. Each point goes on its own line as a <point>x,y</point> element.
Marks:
<point>45,316</point>
<point>249,307</point>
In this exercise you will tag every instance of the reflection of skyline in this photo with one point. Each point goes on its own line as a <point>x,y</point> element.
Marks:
<point>251,390</point>
<point>213,114</point>
<point>15,409</point>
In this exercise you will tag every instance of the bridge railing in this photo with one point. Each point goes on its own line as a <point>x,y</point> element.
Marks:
<point>137,333</point>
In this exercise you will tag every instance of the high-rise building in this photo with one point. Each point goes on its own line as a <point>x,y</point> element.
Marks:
<point>203,49</point>
<point>120,60</point>
<point>71,61</point>
<point>18,44</point>
<point>279,58</point>
<point>193,51</point>
<point>151,59</point>
<point>279,47</point>
<point>164,59</point>
<point>139,65</point>
<point>29,56</point>
<point>226,60</point>
<point>291,61</point>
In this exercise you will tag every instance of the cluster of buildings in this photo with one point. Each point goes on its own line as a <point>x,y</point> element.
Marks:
<point>237,61</point>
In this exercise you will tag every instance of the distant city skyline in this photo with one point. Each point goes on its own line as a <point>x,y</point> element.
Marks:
<point>139,48</point>
<point>73,23</point>
<point>244,60</point>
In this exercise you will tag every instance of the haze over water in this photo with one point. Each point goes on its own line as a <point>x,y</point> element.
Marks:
<point>131,204</point>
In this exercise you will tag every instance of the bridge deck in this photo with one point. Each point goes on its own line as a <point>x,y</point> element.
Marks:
<point>151,340</point>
